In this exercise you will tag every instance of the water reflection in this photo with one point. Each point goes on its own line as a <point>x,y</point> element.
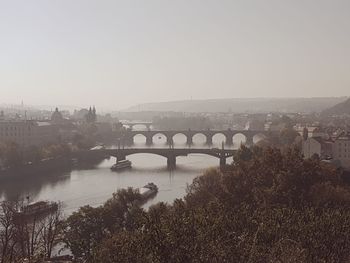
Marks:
<point>94,185</point>
<point>20,187</point>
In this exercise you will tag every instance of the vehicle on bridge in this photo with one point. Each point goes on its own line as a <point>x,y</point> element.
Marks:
<point>121,165</point>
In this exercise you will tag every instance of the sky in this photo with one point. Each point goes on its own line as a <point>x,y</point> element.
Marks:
<point>115,54</point>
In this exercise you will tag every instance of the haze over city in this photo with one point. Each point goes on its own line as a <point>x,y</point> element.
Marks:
<point>174,131</point>
<point>116,54</point>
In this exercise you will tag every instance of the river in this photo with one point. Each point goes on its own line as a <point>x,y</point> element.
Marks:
<point>95,185</point>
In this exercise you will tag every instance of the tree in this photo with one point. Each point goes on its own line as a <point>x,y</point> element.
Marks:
<point>287,136</point>
<point>269,205</point>
<point>33,154</point>
<point>50,235</point>
<point>86,229</point>
<point>27,237</point>
<point>12,155</point>
<point>7,232</point>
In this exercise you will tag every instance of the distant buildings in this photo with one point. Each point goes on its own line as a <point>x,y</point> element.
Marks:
<point>57,117</point>
<point>341,150</point>
<point>28,133</point>
<point>327,147</point>
<point>255,125</point>
<point>91,116</point>
<point>317,146</point>
<point>312,131</point>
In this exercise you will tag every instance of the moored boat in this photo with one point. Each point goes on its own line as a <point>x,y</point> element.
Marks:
<point>37,209</point>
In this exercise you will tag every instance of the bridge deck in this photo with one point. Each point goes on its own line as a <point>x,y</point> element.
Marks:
<point>169,153</point>
<point>166,152</point>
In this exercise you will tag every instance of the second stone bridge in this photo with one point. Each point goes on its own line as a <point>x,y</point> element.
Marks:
<point>129,136</point>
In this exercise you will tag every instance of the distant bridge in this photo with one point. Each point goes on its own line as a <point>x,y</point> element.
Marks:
<point>131,124</point>
<point>169,153</point>
<point>129,136</point>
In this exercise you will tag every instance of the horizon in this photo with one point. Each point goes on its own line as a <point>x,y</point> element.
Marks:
<point>109,109</point>
<point>234,105</point>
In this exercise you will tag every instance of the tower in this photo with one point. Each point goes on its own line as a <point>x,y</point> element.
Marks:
<point>91,116</point>
<point>305,133</point>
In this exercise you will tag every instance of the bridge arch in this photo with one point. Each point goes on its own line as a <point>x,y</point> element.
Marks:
<point>139,138</point>
<point>199,137</point>
<point>187,137</point>
<point>238,139</point>
<point>259,137</point>
<point>138,153</point>
<point>159,138</point>
<point>217,138</point>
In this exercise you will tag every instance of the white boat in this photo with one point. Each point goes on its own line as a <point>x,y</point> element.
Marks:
<point>121,165</point>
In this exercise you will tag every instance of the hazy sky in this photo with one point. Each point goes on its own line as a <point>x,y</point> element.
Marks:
<point>119,53</point>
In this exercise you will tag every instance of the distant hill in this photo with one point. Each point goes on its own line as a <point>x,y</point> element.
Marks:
<point>253,105</point>
<point>338,109</point>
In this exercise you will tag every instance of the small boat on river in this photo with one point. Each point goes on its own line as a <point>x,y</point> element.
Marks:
<point>149,190</point>
<point>124,164</point>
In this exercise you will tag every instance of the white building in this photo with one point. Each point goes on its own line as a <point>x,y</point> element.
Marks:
<point>317,146</point>
<point>341,150</point>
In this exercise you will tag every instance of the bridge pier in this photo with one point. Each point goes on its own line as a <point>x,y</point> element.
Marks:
<point>127,140</point>
<point>209,139</point>
<point>189,139</point>
<point>222,161</point>
<point>171,162</point>
<point>120,157</point>
<point>169,140</point>
<point>249,141</point>
<point>149,140</point>
<point>229,140</point>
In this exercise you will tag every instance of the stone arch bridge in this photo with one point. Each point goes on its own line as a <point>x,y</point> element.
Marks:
<point>169,153</point>
<point>128,138</point>
<point>131,124</point>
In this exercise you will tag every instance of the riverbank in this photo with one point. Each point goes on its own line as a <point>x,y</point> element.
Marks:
<point>59,164</point>
<point>81,160</point>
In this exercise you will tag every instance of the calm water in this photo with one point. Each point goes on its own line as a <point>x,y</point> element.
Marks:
<point>94,186</point>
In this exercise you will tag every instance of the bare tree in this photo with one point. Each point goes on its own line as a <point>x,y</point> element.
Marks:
<point>8,232</point>
<point>27,237</point>
<point>51,231</point>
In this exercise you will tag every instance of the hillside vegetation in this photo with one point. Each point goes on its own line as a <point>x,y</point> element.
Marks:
<point>268,206</point>
<point>339,109</point>
<point>241,105</point>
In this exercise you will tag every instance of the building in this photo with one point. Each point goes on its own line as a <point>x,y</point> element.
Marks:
<point>341,150</point>
<point>27,133</point>
<point>56,117</point>
<point>275,127</point>
<point>338,149</point>
<point>255,125</point>
<point>312,146</point>
<point>312,131</point>
<point>91,116</point>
